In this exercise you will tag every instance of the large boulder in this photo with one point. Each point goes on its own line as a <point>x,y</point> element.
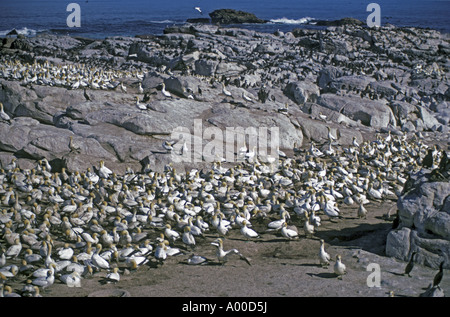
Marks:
<point>424,222</point>
<point>373,113</point>
<point>302,91</point>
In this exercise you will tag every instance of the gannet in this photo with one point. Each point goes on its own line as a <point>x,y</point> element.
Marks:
<point>72,279</point>
<point>331,137</point>
<point>113,277</point>
<point>247,98</point>
<point>198,9</point>
<point>324,257</point>
<point>168,145</point>
<point>362,211</point>
<point>160,252</point>
<point>339,267</point>
<point>288,233</point>
<point>46,281</point>
<point>3,115</point>
<point>98,261</point>
<point>188,237</point>
<point>103,171</point>
<point>139,105</point>
<point>171,234</point>
<point>122,87</point>
<point>225,91</point>
<point>223,255</point>
<point>165,92</point>
<point>197,260</point>
<point>248,232</point>
<point>308,228</point>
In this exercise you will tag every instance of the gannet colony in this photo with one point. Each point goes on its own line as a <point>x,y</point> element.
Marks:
<point>87,180</point>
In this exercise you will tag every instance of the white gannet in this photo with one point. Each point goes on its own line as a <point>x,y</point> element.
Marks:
<point>13,251</point>
<point>139,105</point>
<point>198,9</point>
<point>288,233</point>
<point>160,252</point>
<point>331,137</point>
<point>339,267</point>
<point>247,98</point>
<point>66,252</point>
<point>324,257</point>
<point>308,228</point>
<point>197,260</point>
<point>362,211</point>
<point>165,92</point>
<point>3,115</point>
<point>168,145</point>
<point>171,234</point>
<point>113,277</point>
<point>72,279</point>
<point>103,171</point>
<point>98,261</point>
<point>46,281</point>
<point>122,87</point>
<point>188,237</point>
<point>222,255</point>
<point>248,232</point>
<point>225,91</point>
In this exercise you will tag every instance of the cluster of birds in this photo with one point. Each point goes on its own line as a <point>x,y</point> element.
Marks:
<point>68,225</point>
<point>71,76</point>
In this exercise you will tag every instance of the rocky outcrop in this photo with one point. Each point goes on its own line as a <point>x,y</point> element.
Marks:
<point>230,16</point>
<point>424,222</point>
<point>361,80</point>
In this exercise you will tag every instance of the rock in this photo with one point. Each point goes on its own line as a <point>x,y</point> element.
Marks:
<point>327,75</point>
<point>340,22</point>
<point>373,113</point>
<point>230,16</point>
<point>429,121</point>
<point>302,91</point>
<point>358,83</point>
<point>408,126</point>
<point>424,224</point>
<point>398,243</point>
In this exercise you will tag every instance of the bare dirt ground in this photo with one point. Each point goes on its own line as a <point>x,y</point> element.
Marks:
<point>279,268</point>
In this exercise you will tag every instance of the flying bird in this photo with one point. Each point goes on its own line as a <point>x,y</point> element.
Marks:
<point>198,9</point>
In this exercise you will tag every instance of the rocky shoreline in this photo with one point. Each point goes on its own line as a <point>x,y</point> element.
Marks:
<point>363,80</point>
<point>75,102</point>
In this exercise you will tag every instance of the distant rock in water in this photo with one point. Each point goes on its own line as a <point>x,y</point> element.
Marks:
<point>230,16</point>
<point>343,21</point>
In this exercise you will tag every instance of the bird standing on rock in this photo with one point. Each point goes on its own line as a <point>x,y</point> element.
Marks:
<point>427,161</point>
<point>439,275</point>
<point>165,92</point>
<point>3,115</point>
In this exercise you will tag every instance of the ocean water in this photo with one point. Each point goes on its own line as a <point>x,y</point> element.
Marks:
<point>102,18</point>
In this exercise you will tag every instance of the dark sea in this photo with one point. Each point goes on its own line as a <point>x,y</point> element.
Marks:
<point>104,18</point>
